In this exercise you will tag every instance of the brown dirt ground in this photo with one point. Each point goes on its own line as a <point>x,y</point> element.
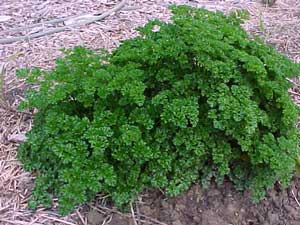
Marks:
<point>222,206</point>
<point>279,25</point>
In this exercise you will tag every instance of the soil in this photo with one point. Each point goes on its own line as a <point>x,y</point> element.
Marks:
<point>214,206</point>
<point>278,24</point>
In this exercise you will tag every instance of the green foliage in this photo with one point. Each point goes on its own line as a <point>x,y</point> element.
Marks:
<point>196,100</point>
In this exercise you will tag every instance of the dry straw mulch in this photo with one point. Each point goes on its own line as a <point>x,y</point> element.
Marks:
<point>279,25</point>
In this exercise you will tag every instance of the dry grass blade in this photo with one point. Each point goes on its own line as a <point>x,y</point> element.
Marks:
<point>3,103</point>
<point>298,203</point>
<point>133,215</point>
<point>18,222</point>
<point>58,220</point>
<point>80,217</point>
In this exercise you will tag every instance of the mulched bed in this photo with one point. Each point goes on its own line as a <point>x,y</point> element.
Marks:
<point>278,24</point>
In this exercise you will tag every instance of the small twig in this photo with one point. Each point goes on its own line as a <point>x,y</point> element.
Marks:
<point>50,22</point>
<point>80,217</point>
<point>293,82</point>
<point>60,20</point>
<point>294,93</point>
<point>4,208</point>
<point>107,220</point>
<point>59,29</point>
<point>138,213</point>
<point>298,203</point>
<point>58,220</point>
<point>133,215</point>
<point>17,222</point>
<point>33,221</point>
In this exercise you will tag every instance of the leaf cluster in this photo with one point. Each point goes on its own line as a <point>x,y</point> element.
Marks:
<point>196,100</point>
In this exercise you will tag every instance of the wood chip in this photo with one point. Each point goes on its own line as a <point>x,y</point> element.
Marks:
<point>5,18</point>
<point>18,138</point>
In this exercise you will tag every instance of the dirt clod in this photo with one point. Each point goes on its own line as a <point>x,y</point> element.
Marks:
<point>95,218</point>
<point>119,220</point>
<point>223,206</point>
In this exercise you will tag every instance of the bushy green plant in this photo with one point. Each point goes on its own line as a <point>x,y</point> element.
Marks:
<point>196,100</point>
